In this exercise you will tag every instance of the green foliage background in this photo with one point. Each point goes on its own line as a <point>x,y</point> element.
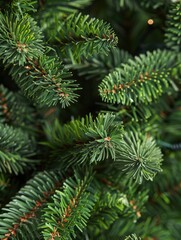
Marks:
<point>90,119</point>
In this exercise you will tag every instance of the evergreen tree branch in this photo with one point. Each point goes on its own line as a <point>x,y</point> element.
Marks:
<point>41,77</point>
<point>20,218</point>
<point>89,140</point>
<point>20,39</point>
<point>139,158</point>
<point>80,36</point>
<point>142,80</point>
<point>70,209</point>
<point>46,81</point>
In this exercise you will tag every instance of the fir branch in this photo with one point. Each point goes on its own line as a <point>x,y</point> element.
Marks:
<point>41,77</point>
<point>46,81</point>
<point>20,217</point>
<point>16,150</point>
<point>70,209</point>
<point>139,158</point>
<point>80,36</point>
<point>20,39</point>
<point>142,80</point>
<point>173,27</point>
<point>89,141</point>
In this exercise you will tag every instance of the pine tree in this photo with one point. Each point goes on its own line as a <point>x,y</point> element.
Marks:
<point>90,119</point>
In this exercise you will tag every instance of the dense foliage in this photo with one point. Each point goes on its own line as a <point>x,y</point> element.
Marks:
<point>90,119</point>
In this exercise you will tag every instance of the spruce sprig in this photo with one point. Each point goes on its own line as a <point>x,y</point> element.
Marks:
<point>139,157</point>
<point>81,36</point>
<point>69,211</point>
<point>89,141</point>
<point>40,76</point>
<point>20,218</point>
<point>142,80</point>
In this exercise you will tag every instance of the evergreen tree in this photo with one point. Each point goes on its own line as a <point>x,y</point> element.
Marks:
<point>90,119</point>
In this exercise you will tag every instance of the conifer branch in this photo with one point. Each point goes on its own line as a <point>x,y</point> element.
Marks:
<point>89,140</point>
<point>46,81</point>
<point>69,211</point>
<point>142,80</point>
<point>41,77</point>
<point>20,39</point>
<point>81,36</point>
<point>139,158</point>
<point>20,217</point>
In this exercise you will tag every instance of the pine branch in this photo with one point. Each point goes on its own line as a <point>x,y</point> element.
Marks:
<point>173,27</point>
<point>142,80</point>
<point>87,140</point>
<point>16,150</point>
<point>139,158</point>
<point>20,217</point>
<point>69,211</point>
<point>80,36</point>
